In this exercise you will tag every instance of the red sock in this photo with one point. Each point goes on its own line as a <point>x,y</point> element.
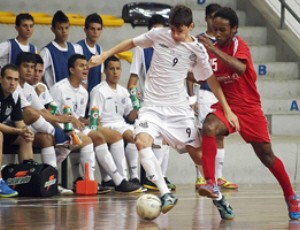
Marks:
<point>279,172</point>
<point>209,152</point>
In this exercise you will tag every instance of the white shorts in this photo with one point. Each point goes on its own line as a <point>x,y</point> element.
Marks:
<point>120,127</point>
<point>205,100</point>
<point>175,124</point>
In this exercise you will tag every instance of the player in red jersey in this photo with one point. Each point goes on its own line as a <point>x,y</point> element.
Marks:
<point>232,64</point>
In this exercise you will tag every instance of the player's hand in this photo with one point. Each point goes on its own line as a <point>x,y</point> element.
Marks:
<point>77,124</point>
<point>64,118</point>
<point>96,60</point>
<point>208,44</point>
<point>39,89</point>
<point>27,134</point>
<point>233,120</point>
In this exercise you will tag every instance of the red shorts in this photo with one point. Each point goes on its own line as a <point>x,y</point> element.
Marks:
<point>253,126</point>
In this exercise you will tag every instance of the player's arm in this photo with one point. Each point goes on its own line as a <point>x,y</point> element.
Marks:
<point>217,90</point>
<point>132,116</point>
<point>11,130</point>
<point>121,47</point>
<point>235,64</point>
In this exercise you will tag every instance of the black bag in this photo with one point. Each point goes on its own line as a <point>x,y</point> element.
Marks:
<point>139,13</point>
<point>31,179</point>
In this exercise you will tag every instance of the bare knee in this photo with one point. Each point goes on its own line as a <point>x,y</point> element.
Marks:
<point>43,140</point>
<point>30,115</point>
<point>143,141</point>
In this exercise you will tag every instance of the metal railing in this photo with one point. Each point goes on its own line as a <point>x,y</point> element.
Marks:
<point>284,6</point>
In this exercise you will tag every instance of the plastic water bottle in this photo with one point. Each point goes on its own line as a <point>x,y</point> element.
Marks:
<point>67,126</point>
<point>134,97</point>
<point>94,118</point>
<point>52,107</point>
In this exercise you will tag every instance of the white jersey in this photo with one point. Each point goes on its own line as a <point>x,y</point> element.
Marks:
<point>138,67</point>
<point>29,97</point>
<point>113,104</point>
<point>171,61</point>
<point>48,72</point>
<point>64,94</point>
<point>5,50</point>
<point>45,97</point>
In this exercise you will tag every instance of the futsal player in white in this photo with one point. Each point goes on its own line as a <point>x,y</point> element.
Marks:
<point>70,92</point>
<point>166,111</point>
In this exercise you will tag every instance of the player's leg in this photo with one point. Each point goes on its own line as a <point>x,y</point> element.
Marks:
<point>220,202</point>
<point>116,148</point>
<point>221,180</point>
<point>212,128</point>
<point>45,142</point>
<point>132,155</point>
<point>274,164</point>
<point>105,159</point>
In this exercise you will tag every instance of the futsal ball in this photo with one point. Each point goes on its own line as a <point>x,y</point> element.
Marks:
<point>148,207</point>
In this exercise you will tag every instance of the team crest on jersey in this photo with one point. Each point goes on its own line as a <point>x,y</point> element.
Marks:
<point>193,57</point>
<point>144,124</point>
<point>8,110</point>
<point>123,100</point>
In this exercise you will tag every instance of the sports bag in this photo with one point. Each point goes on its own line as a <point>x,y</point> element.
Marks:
<point>31,179</point>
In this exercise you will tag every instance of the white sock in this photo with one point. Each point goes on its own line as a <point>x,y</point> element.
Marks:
<point>87,155</point>
<point>75,162</point>
<point>107,162</point>
<point>118,153</point>
<point>164,164</point>
<point>153,169</point>
<point>61,154</point>
<point>199,171</point>
<point>132,156</point>
<point>48,156</point>
<point>219,162</point>
<point>43,126</point>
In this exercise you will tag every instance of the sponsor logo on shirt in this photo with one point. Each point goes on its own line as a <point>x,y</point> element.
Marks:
<point>163,45</point>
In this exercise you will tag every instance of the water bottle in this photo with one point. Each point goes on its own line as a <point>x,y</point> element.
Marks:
<point>52,107</point>
<point>94,118</point>
<point>67,126</point>
<point>134,97</point>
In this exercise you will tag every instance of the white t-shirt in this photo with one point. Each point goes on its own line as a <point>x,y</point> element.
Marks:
<point>138,67</point>
<point>45,97</point>
<point>113,104</point>
<point>64,94</point>
<point>29,97</point>
<point>171,61</point>
<point>48,72</point>
<point>5,49</point>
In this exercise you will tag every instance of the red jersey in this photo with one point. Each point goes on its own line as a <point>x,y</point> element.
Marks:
<point>239,90</point>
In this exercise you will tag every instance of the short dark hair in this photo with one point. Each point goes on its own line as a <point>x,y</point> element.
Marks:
<point>93,18</point>
<point>25,57</point>
<point>23,16</point>
<point>211,8</point>
<point>39,59</point>
<point>180,15</point>
<point>109,59</point>
<point>59,17</point>
<point>229,14</point>
<point>156,19</point>
<point>8,67</point>
<point>73,59</point>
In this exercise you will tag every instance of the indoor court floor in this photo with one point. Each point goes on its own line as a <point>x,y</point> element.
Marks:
<point>256,207</point>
